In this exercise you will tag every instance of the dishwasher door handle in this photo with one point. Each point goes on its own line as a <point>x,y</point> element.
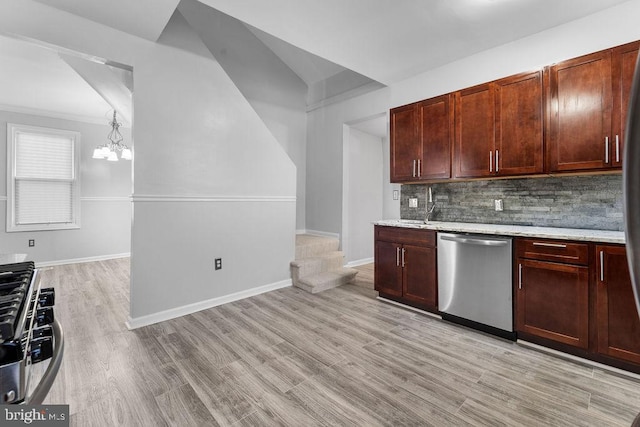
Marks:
<point>474,241</point>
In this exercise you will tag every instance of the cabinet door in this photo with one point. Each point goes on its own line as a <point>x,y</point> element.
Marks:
<point>387,268</point>
<point>435,136</point>
<point>617,318</point>
<point>580,113</point>
<point>519,124</point>
<point>405,144</point>
<point>419,276</point>
<point>624,65</point>
<point>474,132</point>
<point>553,301</point>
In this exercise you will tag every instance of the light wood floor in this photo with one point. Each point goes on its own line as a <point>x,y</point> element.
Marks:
<point>295,359</point>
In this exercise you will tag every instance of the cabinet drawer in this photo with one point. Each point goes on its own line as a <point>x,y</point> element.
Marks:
<point>553,250</point>
<point>405,235</point>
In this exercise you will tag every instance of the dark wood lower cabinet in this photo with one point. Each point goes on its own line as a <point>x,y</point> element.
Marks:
<point>577,297</point>
<point>419,278</point>
<point>405,266</point>
<point>553,301</point>
<point>387,271</point>
<point>617,319</point>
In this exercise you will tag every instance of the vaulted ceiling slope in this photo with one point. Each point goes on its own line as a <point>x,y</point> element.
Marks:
<point>142,18</point>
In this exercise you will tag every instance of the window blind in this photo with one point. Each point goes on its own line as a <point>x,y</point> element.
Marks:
<point>44,174</point>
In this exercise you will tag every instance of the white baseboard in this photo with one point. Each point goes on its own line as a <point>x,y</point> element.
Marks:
<point>359,262</point>
<point>149,319</point>
<point>81,260</point>
<point>323,234</point>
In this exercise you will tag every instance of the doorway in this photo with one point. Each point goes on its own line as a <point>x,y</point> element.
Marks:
<point>52,88</point>
<point>363,186</point>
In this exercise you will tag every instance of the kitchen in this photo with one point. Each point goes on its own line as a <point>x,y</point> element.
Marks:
<point>151,275</point>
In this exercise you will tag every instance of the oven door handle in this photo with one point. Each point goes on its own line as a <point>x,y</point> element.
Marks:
<point>42,389</point>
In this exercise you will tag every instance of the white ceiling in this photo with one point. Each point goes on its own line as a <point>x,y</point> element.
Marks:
<point>35,80</point>
<point>391,40</point>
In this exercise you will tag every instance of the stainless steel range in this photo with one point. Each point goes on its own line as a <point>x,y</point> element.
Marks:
<point>29,334</point>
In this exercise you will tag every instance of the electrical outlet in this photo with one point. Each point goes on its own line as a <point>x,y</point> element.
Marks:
<point>218,263</point>
<point>396,194</point>
<point>413,203</point>
<point>498,205</point>
<point>32,243</point>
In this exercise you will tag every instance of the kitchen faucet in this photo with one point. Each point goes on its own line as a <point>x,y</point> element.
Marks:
<point>430,212</point>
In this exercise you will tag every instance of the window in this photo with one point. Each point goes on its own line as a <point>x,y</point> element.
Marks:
<point>42,178</point>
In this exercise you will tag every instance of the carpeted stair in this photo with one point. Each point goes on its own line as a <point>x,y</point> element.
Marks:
<point>319,265</point>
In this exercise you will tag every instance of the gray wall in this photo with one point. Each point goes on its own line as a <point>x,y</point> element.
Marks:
<point>210,180</point>
<point>275,92</point>
<point>105,205</point>
<point>591,202</point>
<point>562,42</point>
<point>363,191</point>
<point>325,157</point>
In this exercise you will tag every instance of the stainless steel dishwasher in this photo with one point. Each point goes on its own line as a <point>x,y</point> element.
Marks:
<point>474,282</point>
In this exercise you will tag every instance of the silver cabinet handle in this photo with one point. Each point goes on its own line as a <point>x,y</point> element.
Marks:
<point>606,149</point>
<point>618,148</point>
<point>403,257</point>
<point>497,162</point>
<point>519,276</point>
<point>419,168</point>
<point>550,245</point>
<point>602,266</point>
<point>414,168</point>
<point>397,257</point>
<point>490,161</point>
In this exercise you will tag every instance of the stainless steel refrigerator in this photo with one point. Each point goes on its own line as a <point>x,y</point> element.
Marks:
<point>631,189</point>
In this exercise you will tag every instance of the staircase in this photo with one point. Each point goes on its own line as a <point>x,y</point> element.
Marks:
<point>319,265</point>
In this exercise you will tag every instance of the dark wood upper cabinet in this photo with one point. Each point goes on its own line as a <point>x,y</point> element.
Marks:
<point>624,65</point>
<point>421,140</point>
<point>435,131</point>
<point>569,117</point>
<point>474,132</point>
<point>580,113</point>
<point>588,100</point>
<point>405,144</point>
<point>519,145</point>
<point>617,319</point>
<point>499,128</point>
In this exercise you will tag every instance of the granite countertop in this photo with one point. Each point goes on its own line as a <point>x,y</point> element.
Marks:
<point>601,236</point>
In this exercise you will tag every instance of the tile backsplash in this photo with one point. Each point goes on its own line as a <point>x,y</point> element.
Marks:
<point>591,202</point>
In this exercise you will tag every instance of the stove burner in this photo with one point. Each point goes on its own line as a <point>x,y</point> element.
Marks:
<point>25,335</point>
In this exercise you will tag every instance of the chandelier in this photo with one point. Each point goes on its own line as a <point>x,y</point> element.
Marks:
<point>110,150</point>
